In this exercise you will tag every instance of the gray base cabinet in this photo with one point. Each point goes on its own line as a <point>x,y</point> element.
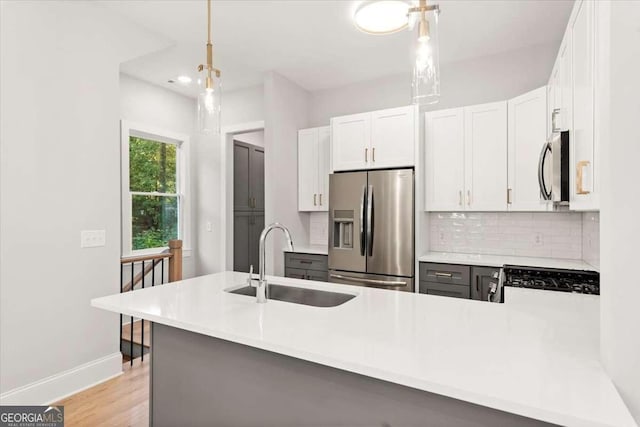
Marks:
<point>447,280</point>
<point>481,279</point>
<point>306,266</point>
<point>457,281</point>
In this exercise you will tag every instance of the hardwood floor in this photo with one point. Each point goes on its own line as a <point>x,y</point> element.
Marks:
<point>120,402</point>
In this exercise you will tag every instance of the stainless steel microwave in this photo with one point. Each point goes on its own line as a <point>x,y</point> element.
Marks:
<point>553,169</point>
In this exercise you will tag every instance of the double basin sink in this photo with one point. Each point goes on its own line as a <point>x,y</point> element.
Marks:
<point>305,296</point>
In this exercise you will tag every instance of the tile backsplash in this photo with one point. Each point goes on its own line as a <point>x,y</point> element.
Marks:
<point>318,232</point>
<point>535,234</point>
<point>591,238</point>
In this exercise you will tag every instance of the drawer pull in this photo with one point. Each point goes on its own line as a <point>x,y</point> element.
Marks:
<point>304,261</point>
<point>439,274</point>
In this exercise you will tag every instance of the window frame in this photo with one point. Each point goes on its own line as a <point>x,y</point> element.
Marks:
<point>182,143</point>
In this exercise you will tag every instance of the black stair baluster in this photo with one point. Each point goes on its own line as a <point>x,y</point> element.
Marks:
<point>131,320</point>
<point>153,273</point>
<point>121,288</point>
<point>162,273</point>
<point>142,321</point>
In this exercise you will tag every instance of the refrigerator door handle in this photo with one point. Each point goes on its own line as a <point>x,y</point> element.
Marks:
<point>370,281</point>
<point>370,219</point>
<point>363,201</point>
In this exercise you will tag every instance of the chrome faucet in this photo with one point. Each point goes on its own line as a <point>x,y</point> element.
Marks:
<point>262,292</point>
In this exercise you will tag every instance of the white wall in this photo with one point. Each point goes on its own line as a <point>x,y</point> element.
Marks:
<point>254,138</point>
<point>238,107</point>
<point>591,238</point>
<point>286,111</point>
<point>619,206</point>
<point>486,79</point>
<point>151,105</point>
<point>60,174</point>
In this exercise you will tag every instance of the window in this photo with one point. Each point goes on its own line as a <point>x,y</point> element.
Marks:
<point>154,190</point>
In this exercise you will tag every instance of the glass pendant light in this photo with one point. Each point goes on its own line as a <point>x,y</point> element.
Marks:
<point>423,23</point>
<point>210,96</point>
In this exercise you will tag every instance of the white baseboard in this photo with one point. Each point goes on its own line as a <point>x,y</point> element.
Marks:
<point>64,384</point>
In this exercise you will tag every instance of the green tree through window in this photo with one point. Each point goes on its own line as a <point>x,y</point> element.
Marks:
<point>153,187</point>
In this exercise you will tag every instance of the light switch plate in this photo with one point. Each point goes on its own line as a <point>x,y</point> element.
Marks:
<point>93,238</point>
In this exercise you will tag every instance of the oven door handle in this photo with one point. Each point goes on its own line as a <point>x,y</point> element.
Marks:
<point>369,281</point>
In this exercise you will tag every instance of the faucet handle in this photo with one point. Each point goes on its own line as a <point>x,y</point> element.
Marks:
<point>250,278</point>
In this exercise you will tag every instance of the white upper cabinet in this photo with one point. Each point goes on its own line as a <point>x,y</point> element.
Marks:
<point>351,137</point>
<point>582,141</point>
<point>324,167</point>
<point>527,136</point>
<point>444,160</point>
<point>379,139</point>
<point>313,169</point>
<point>485,141</point>
<point>466,158</point>
<point>392,138</point>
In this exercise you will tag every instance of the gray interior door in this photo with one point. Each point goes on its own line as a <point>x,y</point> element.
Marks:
<point>256,172</point>
<point>241,181</point>
<point>390,222</point>
<point>242,240</point>
<point>248,203</point>
<point>257,225</point>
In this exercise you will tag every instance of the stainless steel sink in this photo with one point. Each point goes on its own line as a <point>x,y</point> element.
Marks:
<point>297,295</point>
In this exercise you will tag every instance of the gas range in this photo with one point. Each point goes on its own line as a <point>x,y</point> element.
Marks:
<point>551,279</point>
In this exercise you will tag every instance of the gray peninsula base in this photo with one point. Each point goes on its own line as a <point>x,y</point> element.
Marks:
<point>197,380</point>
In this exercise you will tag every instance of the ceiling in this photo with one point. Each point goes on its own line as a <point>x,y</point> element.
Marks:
<point>314,42</point>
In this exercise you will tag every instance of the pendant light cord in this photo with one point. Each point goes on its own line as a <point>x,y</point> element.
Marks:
<point>208,21</point>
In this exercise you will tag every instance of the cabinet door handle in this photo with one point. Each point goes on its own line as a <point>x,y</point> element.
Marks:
<point>373,154</point>
<point>460,198</point>
<point>314,200</point>
<point>580,177</point>
<point>509,190</point>
<point>468,197</point>
<point>439,274</point>
<point>554,115</point>
<point>366,155</point>
<point>320,199</point>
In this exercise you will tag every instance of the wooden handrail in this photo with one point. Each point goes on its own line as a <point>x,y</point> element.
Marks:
<point>139,258</point>
<point>174,256</point>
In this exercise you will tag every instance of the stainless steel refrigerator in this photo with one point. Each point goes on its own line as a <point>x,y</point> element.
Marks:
<point>371,229</point>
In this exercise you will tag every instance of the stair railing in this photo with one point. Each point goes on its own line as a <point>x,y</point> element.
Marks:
<point>152,265</point>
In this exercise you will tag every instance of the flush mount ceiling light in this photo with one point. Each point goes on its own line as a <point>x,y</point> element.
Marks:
<point>381,16</point>
<point>184,79</point>
<point>210,88</point>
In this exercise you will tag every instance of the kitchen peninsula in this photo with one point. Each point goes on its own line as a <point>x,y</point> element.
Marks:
<point>381,358</point>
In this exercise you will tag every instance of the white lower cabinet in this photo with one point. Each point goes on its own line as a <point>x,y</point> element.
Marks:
<point>313,169</point>
<point>527,135</point>
<point>466,158</point>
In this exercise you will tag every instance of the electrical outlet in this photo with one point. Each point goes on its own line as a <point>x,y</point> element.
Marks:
<point>538,240</point>
<point>441,237</point>
<point>93,238</point>
<point>209,227</point>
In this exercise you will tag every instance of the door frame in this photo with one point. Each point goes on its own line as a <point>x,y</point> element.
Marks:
<point>226,213</point>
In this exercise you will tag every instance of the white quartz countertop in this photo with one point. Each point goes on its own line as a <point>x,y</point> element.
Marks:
<point>500,260</point>
<point>536,355</point>
<point>310,249</point>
